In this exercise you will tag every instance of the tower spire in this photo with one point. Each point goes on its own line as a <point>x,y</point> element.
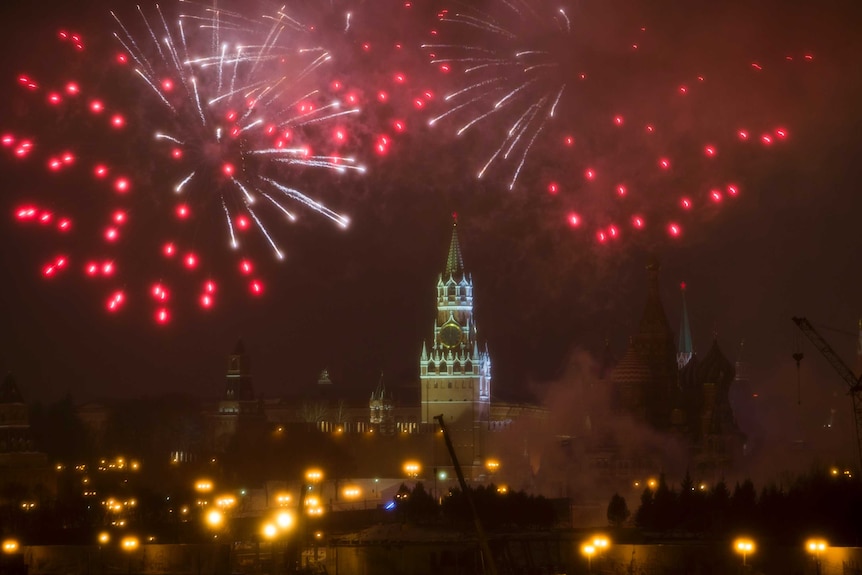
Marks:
<point>684,352</point>
<point>454,262</point>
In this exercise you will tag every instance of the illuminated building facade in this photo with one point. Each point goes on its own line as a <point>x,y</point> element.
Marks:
<point>454,374</point>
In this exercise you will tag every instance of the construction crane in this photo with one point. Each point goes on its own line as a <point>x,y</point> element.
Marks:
<point>487,556</point>
<point>854,383</point>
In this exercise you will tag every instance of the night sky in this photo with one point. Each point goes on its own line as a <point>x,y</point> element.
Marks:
<point>360,301</point>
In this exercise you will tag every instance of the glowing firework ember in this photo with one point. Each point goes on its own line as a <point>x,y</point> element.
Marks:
<point>216,123</point>
<point>626,128</point>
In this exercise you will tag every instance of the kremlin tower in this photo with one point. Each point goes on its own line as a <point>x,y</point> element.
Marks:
<point>454,373</point>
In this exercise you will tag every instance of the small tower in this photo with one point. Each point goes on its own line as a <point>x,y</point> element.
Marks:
<point>684,351</point>
<point>380,405</point>
<point>238,386</point>
<point>238,406</point>
<point>21,464</point>
<point>323,379</point>
<point>719,442</point>
<point>15,435</point>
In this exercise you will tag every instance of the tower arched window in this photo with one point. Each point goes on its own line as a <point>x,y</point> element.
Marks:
<point>442,367</point>
<point>457,367</point>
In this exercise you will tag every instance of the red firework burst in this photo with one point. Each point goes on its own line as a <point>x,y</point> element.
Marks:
<point>201,136</point>
<point>623,124</point>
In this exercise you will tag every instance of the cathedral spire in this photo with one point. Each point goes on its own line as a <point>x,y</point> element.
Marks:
<point>454,262</point>
<point>684,351</point>
<point>654,321</point>
<point>656,344</point>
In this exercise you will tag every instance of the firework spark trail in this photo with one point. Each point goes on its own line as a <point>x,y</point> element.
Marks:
<point>233,243</point>
<point>527,80</point>
<point>260,92</point>
<point>316,206</point>
<point>525,84</point>
<point>234,124</point>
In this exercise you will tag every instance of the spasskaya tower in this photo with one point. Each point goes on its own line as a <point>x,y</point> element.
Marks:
<point>455,375</point>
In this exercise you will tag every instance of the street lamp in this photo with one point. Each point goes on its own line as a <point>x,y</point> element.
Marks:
<point>816,547</point>
<point>282,499</point>
<point>203,486</point>
<point>269,531</point>
<point>281,523</point>
<point>744,547</point>
<point>411,469</point>
<point>314,475</point>
<point>129,545</point>
<point>215,520</point>
<point>600,542</point>
<point>589,550</point>
<point>10,546</point>
<point>225,501</point>
<point>595,546</point>
<point>284,520</point>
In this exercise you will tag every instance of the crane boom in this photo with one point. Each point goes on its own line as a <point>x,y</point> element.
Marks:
<point>480,531</point>
<point>854,383</point>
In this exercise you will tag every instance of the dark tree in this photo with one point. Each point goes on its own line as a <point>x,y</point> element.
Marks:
<point>692,506</point>
<point>665,512</point>
<point>420,506</point>
<point>645,515</point>
<point>743,505</point>
<point>719,507</point>
<point>618,510</point>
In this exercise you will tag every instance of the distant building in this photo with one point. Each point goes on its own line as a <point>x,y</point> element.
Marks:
<point>24,470</point>
<point>238,409</point>
<point>381,406</point>
<point>669,390</point>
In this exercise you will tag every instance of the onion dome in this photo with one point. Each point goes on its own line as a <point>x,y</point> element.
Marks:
<point>629,381</point>
<point>632,369</point>
<point>715,367</point>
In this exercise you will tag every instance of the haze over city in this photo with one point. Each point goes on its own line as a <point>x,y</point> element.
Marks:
<point>360,301</point>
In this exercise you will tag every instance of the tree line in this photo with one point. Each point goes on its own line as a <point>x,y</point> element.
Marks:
<point>827,503</point>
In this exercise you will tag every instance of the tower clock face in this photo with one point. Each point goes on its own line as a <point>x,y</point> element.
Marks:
<point>450,335</point>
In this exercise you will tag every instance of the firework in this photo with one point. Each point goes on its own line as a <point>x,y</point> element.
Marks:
<point>608,115</point>
<point>203,131</point>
